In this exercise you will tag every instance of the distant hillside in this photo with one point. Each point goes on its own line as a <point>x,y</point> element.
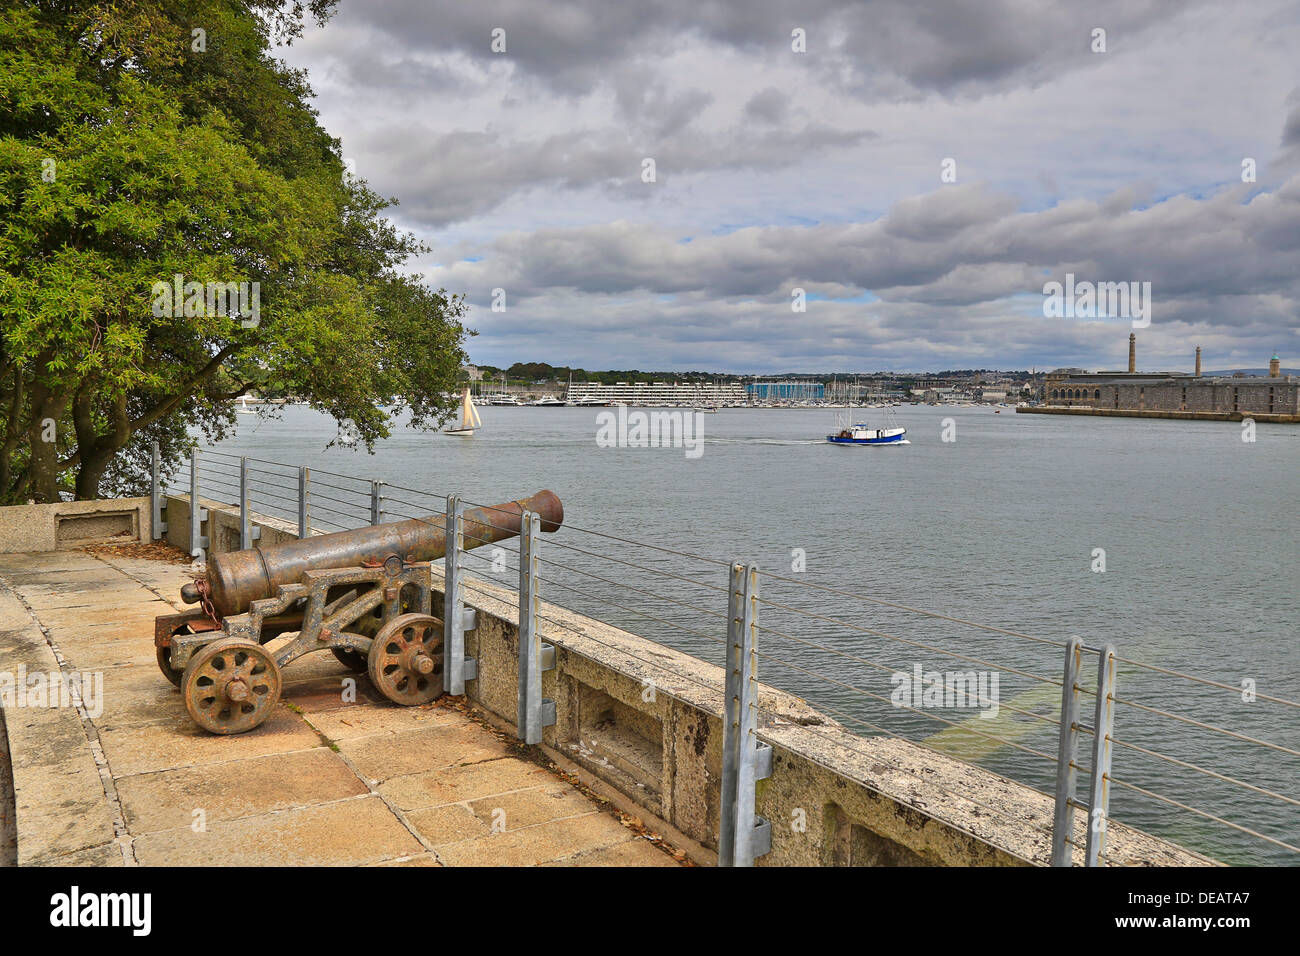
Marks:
<point>1251,371</point>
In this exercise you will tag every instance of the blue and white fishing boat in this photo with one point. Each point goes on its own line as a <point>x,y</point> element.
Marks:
<point>860,433</point>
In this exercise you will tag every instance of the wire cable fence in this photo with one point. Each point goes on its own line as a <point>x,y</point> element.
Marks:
<point>1207,761</point>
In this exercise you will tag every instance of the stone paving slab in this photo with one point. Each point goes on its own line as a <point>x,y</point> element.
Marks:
<point>149,747</point>
<point>332,834</point>
<point>436,788</point>
<point>544,843</point>
<point>107,854</point>
<point>632,853</point>
<point>168,799</point>
<point>384,756</point>
<point>346,723</point>
<point>327,780</point>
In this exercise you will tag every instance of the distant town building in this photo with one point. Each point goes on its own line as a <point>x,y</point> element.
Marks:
<point>1178,392</point>
<point>659,393</point>
<point>786,391</point>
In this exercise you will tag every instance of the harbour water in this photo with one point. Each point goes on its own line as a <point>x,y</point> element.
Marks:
<point>1004,526</point>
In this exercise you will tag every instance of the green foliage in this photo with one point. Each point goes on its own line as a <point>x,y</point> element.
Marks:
<point>531,372</point>
<point>128,157</point>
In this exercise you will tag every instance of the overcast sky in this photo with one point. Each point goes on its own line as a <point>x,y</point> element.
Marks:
<point>822,170</point>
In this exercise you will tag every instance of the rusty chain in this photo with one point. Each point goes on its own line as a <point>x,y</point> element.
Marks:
<point>205,599</point>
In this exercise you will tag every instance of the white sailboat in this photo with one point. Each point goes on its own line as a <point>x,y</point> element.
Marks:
<point>469,419</point>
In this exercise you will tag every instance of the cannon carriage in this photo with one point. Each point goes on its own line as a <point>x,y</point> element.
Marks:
<point>366,596</point>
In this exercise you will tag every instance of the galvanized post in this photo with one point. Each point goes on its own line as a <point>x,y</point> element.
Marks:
<point>1067,769</point>
<point>457,619</point>
<point>731,720</point>
<point>376,502</point>
<point>198,514</point>
<point>534,711</point>
<point>247,533</point>
<point>304,514</point>
<point>157,525</point>
<point>745,760</point>
<point>1099,791</point>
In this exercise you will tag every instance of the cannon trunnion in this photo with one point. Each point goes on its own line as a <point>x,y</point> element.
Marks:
<point>363,595</point>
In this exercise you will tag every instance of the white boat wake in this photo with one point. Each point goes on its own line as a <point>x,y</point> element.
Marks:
<point>760,441</point>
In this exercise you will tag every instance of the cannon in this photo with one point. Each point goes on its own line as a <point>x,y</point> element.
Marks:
<point>364,595</point>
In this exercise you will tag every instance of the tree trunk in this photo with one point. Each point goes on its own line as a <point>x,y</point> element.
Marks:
<point>42,438</point>
<point>43,466</point>
<point>91,472</point>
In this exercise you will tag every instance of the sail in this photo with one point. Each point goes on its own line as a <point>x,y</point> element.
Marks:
<point>468,415</point>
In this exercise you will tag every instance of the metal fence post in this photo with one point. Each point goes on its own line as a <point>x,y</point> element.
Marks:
<point>534,711</point>
<point>247,533</point>
<point>731,720</point>
<point>376,502</point>
<point>457,619</point>
<point>304,513</point>
<point>1067,769</point>
<point>745,760</point>
<point>158,527</point>
<point>1099,791</point>
<point>198,514</point>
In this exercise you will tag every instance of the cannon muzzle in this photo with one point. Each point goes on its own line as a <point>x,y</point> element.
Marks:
<point>236,579</point>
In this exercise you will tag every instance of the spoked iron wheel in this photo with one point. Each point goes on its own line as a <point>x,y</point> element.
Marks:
<point>231,686</point>
<point>406,659</point>
<point>164,655</point>
<point>165,665</point>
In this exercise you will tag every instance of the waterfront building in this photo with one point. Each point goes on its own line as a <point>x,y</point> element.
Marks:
<point>796,392</point>
<point>1179,393</point>
<point>659,393</point>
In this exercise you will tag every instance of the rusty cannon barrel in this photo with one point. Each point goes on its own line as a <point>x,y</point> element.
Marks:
<point>236,579</point>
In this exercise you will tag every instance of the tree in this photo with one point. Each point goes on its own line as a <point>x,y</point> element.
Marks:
<point>179,230</point>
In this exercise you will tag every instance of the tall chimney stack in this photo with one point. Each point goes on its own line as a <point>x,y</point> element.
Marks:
<point>1198,361</point>
<point>1132,352</point>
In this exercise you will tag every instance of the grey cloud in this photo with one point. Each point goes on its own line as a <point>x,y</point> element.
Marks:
<point>452,176</point>
<point>1291,128</point>
<point>944,45</point>
<point>642,94</point>
<point>989,251</point>
<point>768,105</point>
